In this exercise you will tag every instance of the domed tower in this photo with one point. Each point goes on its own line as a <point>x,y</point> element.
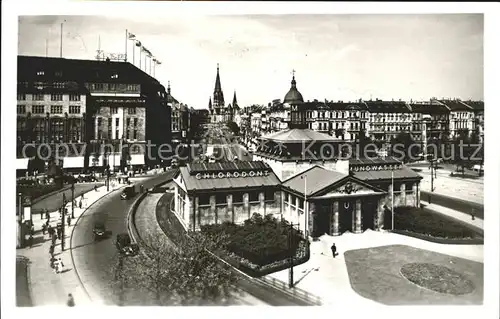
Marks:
<point>293,97</point>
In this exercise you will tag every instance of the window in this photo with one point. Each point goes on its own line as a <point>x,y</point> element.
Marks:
<point>128,122</point>
<point>74,109</point>
<point>114,110</point>
<point>301,203</point>
<point>58,85</point>
<point>56,109</point>
<point>38,97</point>
<point>253,196</point>
<point>57,129</point>
<point>74,97</point>
<point>135,122</point>
<point>117,134</point>
<point>99,86</point>
<point>40,73</point>
<point>238,197</point>
<point>127,134</point>
<point>135,134</point>
<point>131,110</point>
<point>117,122</point>
<point>204,199</point>
<point>220,199</point>
<point>112,87</point>
<point>99,121</point>
<point>56,97</point>
<point>38,109</point>
<point>110,123</point>
<point>21,109</point>
<point>269,195</point>
<point>58,74</point>
<point>21,97</point>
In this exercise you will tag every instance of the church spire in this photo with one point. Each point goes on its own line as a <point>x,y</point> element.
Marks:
<point>294,84</point>
<point>217,81</point>
<point>168,88</point>
<point>235,102</point>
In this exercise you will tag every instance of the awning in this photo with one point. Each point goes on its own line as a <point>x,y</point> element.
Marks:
<point>73,162</point>
<point>22,163</point>
<point>137,159</point>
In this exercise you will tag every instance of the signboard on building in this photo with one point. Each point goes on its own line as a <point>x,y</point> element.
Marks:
<point>232,174</point>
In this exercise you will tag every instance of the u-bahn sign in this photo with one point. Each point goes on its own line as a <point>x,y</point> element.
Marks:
<point>232,174</point>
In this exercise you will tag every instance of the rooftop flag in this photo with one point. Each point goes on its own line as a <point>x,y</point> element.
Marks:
<point>131,36</point>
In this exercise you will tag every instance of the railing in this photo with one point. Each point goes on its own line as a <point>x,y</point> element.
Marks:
<point>295,292</point>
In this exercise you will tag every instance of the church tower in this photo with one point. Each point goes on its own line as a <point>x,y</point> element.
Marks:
<point>218,100</point>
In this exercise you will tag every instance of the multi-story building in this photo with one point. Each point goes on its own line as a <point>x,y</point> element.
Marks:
<point>430,121</point>
<point>478,109</point>
<point>461,117</point>
<point>388,119</point>
<point>98,109</point>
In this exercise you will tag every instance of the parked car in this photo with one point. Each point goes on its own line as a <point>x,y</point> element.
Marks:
<point>128,192</point>
<point>125,246</point>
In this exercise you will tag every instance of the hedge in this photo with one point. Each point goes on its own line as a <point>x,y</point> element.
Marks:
<point>420,221</point>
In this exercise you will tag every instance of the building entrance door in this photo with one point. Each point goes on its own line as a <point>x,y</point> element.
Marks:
<point>346,209</point>
<point>368,211</point>
<point>321,218</point>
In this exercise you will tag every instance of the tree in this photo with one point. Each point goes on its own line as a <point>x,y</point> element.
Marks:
<point>404,146</point>
<point>234,128</point>
<point>185,274</point>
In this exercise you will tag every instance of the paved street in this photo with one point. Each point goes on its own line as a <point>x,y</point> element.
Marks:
<point>94,261</point>
<point>146,223</point>
<point>54,202</point>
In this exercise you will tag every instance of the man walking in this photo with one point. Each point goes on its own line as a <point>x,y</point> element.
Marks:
<point>71,301</point>
<point>334,250</point>
<point>69,220</point>
<point>47,215</point>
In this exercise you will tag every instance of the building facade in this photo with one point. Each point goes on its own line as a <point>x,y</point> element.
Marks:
<point>104,111</point>
<point>230,192</point>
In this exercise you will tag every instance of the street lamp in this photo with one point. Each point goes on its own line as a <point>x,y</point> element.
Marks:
<point>306,207</point>
<point>292,253</point>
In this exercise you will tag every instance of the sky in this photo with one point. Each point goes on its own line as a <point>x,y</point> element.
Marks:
<point>335,57</point>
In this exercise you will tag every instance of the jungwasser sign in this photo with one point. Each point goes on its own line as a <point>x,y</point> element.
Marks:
<point>232,174</point>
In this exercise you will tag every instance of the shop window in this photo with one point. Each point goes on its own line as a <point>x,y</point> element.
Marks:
<point>301,203</point>
<point>253,196</point>
<point>204,199</point>
<point>220,199</point>
<point>269,195</point>
<point>238,197</point>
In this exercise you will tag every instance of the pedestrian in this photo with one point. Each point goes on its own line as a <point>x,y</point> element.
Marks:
<point>59,232</point>
<point>69,220</point>
<point>59,266</point>
<point>30,240</point>
<point>47,215</point>
<point>42,212</point>
<point>54,238</point>
<point>44,229</point>
<point>334,250</point>
<point>51,251</point>
<point>95,188</point>
<point>80,204</point>
<point>71,301</point>
<point>119,180</point>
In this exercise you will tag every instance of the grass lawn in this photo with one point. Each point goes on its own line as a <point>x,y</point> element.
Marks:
<point>420,221</point>
<point>377,274</point>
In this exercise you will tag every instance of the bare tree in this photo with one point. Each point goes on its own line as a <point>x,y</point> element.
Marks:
<point>185,273</point>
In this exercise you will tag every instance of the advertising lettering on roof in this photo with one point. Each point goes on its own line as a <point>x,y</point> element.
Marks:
<point>232,174</point>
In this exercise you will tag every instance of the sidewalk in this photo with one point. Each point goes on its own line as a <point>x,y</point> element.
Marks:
<point>462,217</point>
<point>47,287</point>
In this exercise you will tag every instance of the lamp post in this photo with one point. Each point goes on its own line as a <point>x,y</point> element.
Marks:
<point>392,198</point>
<point>290,242</point>
<point>306,207</point>
<point>73,197</point>
<point>62,222</point>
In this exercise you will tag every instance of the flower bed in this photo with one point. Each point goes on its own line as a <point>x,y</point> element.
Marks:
<point>420,221</point>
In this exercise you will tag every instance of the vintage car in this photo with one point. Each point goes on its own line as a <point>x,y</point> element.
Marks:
<point>86,178</point>
<point>128,192</point>
<point>125,246</point>
<point>99,231</point>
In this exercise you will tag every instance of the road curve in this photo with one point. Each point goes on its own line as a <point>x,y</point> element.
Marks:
<point>94,261</point>
<point>146,223</point>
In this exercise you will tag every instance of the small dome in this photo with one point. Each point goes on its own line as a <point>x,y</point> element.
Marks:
<point>293,96</point>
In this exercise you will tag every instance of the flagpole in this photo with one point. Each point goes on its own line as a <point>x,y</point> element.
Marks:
<point>126,43</point>
<point>46,47</point>
<point>154,68</point>
<point>140,57</point>
<point>133,52</point>
<point>60,49</point>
